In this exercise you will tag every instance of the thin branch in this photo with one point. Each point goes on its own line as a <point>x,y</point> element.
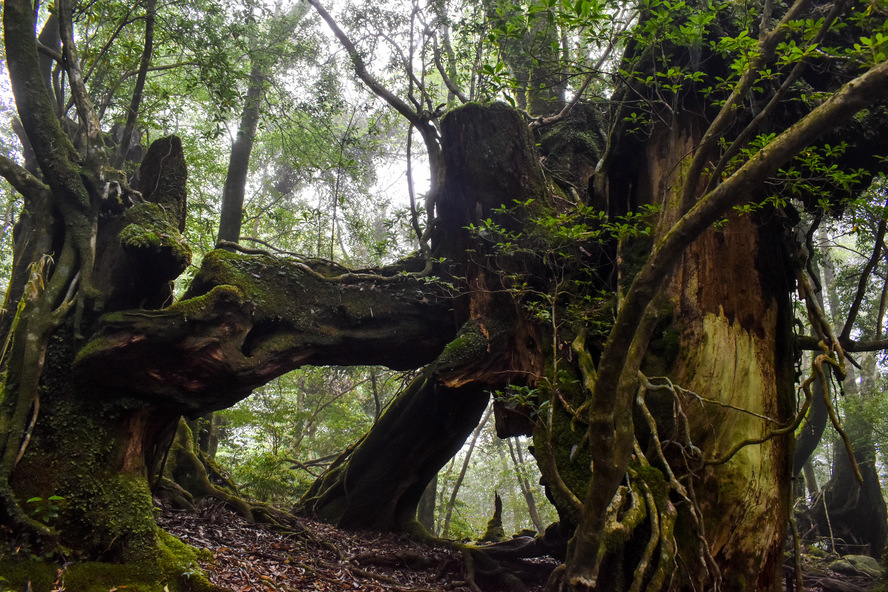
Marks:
<point>677,389</point>
<point>23,181</point>
<point>411,193</point>
<point>361,68</point>
<point>809,343</point>
<point>136,100</point>
<point>864,279</point>
<point>124,21</point>
<point>418,118</point>
<point>48,51</point>
<point>746,135</point>
<point>593,72</point>
<point>448,82</point>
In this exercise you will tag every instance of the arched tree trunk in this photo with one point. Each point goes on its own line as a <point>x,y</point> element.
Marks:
<point>560,303</point>
<point>381,481</point>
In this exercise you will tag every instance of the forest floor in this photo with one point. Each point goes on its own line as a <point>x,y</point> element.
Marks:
<point>252,557</point>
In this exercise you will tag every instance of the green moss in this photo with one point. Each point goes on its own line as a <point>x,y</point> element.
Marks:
<point>655,481</point>
<point>572,455</point>
<point>150,229</point>
<point>122,509</point>
<point>269,284</point>
<point>17,573</point>
<point>469,345</point>
<point>139,237</point>
<point>76,455</point>
<point>172,567</point>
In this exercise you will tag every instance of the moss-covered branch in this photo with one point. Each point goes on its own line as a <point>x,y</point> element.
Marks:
<point>249,318</point>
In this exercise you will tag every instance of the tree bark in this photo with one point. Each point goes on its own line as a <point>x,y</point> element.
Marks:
<point>425,511</point>
<point>496,344</point>
<point>380,483</point>
<point>91,403</point>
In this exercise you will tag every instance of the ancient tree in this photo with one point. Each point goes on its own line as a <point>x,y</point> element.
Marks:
<point>592,266</point>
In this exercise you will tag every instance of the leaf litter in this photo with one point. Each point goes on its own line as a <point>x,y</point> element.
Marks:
<point>309,555</point>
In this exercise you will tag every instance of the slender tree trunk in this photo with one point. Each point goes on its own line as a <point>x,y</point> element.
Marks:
<point>239,162</point>
<point>133,111</point>
<point>524,485</point>
<point>810,480</point>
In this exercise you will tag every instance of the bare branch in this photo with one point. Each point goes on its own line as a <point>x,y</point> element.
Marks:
<point>124,21</point>
<point>48,51</point>
<point>135,102</point>
<point>448,81</point>
<point>85,110</point>
<point>361,68</point>
<point>593,72</point>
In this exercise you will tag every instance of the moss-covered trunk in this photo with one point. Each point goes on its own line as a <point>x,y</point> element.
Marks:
<point>81,458</point>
